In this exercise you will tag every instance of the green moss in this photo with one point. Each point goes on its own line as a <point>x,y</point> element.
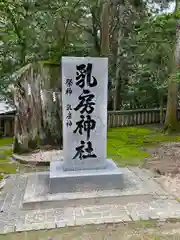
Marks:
<point>33,144</point>
<point>132,153</point>
<point>5,141</point>
<point>3,160</point>
<point>125,145</point>
<point>7,152</point>
<point>146,223</point>
<point>172,128</point>
<point>177,199</point>
<point>54,76</point>
<point>19,148</point>
<point>8,168</point>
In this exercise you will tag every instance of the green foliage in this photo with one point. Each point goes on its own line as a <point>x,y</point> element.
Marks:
<point>40,30</point>
<point>127,145</point>
<point>144,64</point>
<point>31,31</point>
<point>153,51</point>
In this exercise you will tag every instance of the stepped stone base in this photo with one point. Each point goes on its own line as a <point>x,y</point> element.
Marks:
<point>142,198</point>
<point>62,181</point>
<point>38,195</point>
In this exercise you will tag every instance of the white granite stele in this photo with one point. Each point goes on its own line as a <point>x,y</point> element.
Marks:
<point>95,170</point>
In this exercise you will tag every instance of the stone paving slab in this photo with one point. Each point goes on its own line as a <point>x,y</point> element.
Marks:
<point>147,178</point>
<point>37,193</point>
<point>14,218</point>
<point>48,219</point>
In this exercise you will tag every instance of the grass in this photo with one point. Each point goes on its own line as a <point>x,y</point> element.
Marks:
<point>126,145</point>
<point>6,167</point>
<point>6,141</point>
<point>7,152</point>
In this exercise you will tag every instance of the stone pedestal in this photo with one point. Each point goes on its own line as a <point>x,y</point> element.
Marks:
<point>110,177</point>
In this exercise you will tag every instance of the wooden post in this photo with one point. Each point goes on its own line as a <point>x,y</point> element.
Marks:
<point>7,128</point>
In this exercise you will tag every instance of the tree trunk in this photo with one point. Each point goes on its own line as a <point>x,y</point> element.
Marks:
<point>105,28</point>
<point>38,119</point>
<point>161,110</point>
<point>94,31</point>
<point>171,122</point>
<point>117,96</point>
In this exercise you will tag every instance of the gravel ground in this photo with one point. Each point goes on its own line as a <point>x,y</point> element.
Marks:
<point>41,156</point>
<point>165,161</point>
<point>171,184</point>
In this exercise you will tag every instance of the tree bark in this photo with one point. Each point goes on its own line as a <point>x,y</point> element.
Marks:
<point>161,110</point>
<point>94,31</point>
<point>38,119</point>
<point>117,84</point>
<point>105,28</point>
<point>171,121</point>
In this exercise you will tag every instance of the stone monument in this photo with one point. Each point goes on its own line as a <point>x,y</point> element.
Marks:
<point>84,91</point>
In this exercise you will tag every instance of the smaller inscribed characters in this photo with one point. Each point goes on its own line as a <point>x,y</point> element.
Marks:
<point>69,115</point>
<point>69,83</point>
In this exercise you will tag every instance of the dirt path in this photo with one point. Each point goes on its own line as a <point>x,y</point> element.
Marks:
<point>165,163</point>
<point>137,231</point>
